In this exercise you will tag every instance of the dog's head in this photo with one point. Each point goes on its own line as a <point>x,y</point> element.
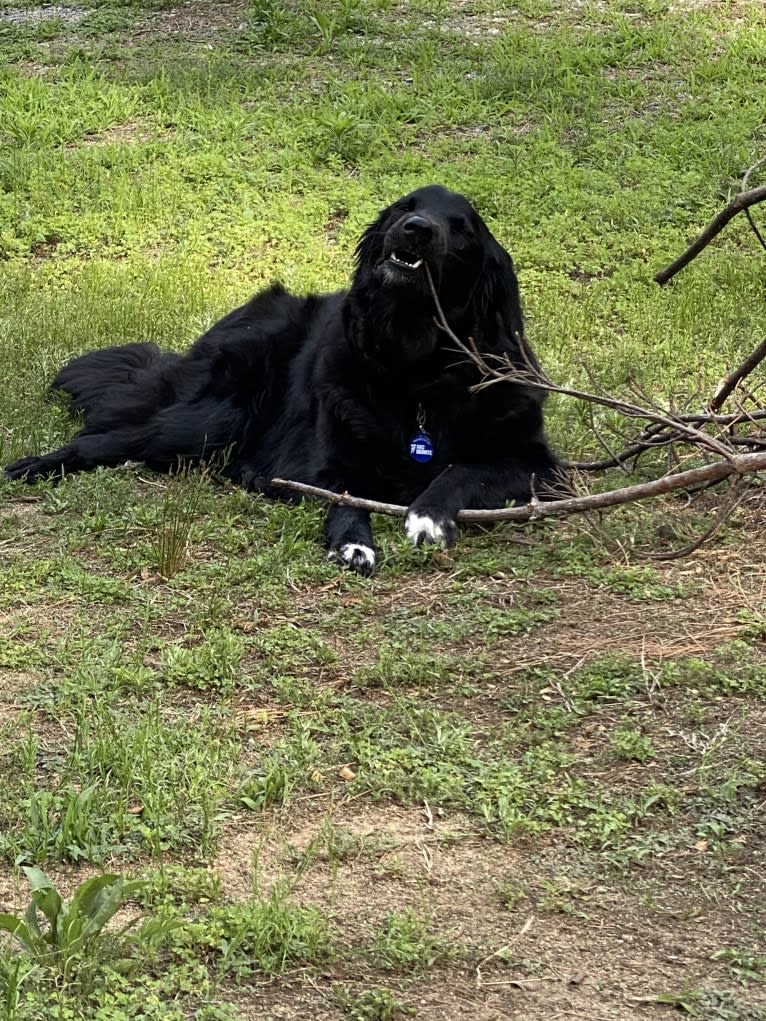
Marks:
<point>439,229</point>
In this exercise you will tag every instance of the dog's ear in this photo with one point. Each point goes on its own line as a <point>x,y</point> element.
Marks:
<point>499,305</point>
<point>370,246</point>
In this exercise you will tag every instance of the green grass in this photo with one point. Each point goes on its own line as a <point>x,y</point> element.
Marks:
<point>342,793</point>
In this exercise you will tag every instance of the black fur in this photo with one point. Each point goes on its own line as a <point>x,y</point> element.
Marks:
<point>328,389</point>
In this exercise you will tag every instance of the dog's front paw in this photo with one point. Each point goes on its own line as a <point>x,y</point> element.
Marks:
<point>28,469</point>
<point>356,556</point>
<point>430,529</point>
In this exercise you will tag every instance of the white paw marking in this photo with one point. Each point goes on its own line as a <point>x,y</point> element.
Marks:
<point>355,555</point>
<point>420,529</point>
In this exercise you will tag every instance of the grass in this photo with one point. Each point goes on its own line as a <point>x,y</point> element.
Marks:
<point>342,795</point>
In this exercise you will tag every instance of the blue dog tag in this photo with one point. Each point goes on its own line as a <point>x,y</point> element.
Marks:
<point>421,448</point>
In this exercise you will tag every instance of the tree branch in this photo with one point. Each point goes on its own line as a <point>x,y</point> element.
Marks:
<point>729,383</point>
<point>742,200</point>
<point>534,377</point>
<point>727,508</point>
<point>743,187</point>
<point>743,464</point>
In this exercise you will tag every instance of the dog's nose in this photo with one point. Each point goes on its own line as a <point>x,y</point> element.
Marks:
<point>418,227</point>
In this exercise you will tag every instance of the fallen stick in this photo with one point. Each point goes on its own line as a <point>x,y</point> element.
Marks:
<point>744,464</point>
<point>742,200</point>
<point>727,385</point>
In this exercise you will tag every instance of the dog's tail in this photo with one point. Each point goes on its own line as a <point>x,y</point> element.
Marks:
<point>92,379</point>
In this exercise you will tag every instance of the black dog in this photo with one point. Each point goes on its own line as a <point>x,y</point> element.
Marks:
<point>357,391</point>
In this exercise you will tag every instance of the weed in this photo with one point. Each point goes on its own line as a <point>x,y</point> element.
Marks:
<point>213,665</point>
<point>15,972</point>
<point>605,680</point>
<point>405,941</point>
<point>179,511</point>
<point>631,744</point>
<point>372,1005</point>
<point>712,1005</point>
<point>262,935</point>
<point>347,16</point>
<point>271,786</point>
<point>398,666</point>
<point>562,895</point>
<point>746,965</point>
<point>68,946</point>
<point>290,649</point>
<point>179,886</point>
<point>511,893</point>
<point>753,624</point>
<point>274,25</point>
<point>735,667</point>
<point>64,823</point>
<point>149,784</point>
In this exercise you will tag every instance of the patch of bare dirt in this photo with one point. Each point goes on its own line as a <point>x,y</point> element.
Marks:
<point>135,131</point>
<point>13,685</point>
<point>196,21</point>
<point>35,15</point>
<point>540,933</point>
<point>726,10</point>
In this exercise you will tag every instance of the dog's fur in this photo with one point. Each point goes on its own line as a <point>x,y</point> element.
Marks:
<point>331,389</point>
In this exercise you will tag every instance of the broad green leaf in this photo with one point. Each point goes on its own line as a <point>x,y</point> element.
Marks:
<point>37,879</point>
<point>86,896</point>
<point>106,904</point>
<point>16,927</point>
<point>52,906</point>
<point>30,917</point>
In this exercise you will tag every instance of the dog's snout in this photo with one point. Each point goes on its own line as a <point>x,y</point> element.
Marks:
<point>418,227</point>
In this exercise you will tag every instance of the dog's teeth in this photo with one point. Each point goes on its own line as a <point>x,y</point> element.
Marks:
<point>416,264</point>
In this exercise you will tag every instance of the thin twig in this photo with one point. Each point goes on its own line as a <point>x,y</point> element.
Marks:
<point>626,408</point>
<point>532,376</point>
<point>751,170</point>
<point>754,227</point>
<point>500,950</point>
<point>663,438</point>
<point>642,443</point>
<point>727,508</point>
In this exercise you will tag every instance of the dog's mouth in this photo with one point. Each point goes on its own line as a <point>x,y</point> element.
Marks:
<point>405,260</point>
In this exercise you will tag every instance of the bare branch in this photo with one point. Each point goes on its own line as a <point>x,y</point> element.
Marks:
<point>342,499</point>
<point>743,187</point>
<point>664,429</point>
<point>651,438</point>
<point>754,227</point>
<point>497,369</point>
<point>711,418</point>
<point>743,464</point>
<point>727,508</point>
<point>751,170</point>
<point>729,383</point>
<point>630,410</point>
<point>641,444</point>
<point>742,200</point>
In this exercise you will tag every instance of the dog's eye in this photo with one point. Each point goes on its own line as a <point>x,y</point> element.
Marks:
<point>458,225</point>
